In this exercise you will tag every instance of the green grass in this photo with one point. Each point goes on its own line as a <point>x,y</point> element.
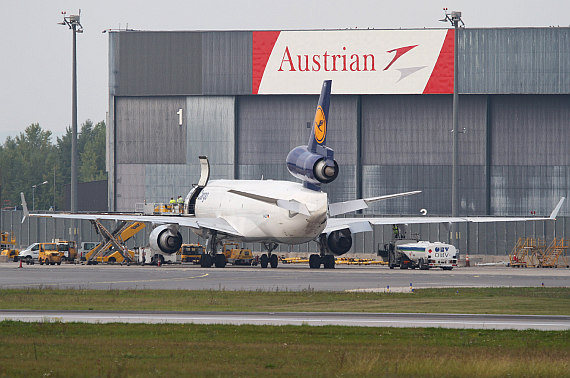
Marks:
<point>120,350</point>
<point>536,301</point>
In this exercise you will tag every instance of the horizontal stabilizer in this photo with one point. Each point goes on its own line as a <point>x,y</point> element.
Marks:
<point>360,204</point>
<point>291,205</point>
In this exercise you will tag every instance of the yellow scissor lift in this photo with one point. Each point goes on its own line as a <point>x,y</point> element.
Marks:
<point>116,239</point>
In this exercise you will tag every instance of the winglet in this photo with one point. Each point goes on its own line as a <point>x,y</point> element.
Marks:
<point>557,208</point>
<point>24,207</point>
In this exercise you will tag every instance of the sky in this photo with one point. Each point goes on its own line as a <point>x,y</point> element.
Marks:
<point>35,60</point>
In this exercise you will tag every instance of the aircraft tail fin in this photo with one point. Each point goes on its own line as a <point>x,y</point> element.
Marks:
<point>320,123</point>
<point>314,163</point>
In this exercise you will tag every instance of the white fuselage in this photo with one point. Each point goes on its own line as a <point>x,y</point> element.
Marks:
<point>258,220</point>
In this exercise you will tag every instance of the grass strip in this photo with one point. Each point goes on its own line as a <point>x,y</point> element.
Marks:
<point>118,350</point>
<point>531,301</point>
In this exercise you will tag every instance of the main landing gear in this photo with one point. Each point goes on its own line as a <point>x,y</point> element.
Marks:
<point>324,258</point>
<point>212,257</point>
<point>269,258</point>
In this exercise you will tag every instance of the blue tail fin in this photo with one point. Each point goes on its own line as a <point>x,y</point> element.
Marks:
<point>314,163</point>
<point>319,130</point>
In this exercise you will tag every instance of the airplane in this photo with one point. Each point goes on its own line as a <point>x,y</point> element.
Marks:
<point>275,212</point>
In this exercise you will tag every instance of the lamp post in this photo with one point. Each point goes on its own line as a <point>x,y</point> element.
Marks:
<point>73,22</point>
<point>455,18</point>
<point>34,194</point>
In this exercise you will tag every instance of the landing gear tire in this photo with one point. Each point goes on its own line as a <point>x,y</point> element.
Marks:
<point>220,260</point>
<point>328,261</point>
<point>206,261</point>
<point>264,261</point>
<point>314,261</point>
<point>273,261</point>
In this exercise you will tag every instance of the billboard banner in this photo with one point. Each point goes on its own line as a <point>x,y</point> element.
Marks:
<point>358,61</point>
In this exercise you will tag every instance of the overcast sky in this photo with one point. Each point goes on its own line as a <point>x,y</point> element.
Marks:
<point>35,60</point>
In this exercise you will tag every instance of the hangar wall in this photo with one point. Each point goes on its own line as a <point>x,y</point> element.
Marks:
<point>514,105</point>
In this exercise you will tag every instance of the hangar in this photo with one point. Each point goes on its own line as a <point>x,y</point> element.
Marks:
<point>245,98</point>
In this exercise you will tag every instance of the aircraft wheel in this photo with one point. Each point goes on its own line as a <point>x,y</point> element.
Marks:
<point>328,261</point>
<point>220,260</point>
<point>314,261</point>
<point>273,261</point>
<point>264,260</point>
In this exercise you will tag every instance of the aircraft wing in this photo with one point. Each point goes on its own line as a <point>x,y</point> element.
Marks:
<point>338,208</point>
<point>365,224</point>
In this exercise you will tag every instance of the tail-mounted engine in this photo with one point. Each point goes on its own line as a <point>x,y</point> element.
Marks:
<point>337,242</point>
<point>165,238</point>
<point>314,168</point>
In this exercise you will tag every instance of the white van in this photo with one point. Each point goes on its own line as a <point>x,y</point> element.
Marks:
<point>30,253</point>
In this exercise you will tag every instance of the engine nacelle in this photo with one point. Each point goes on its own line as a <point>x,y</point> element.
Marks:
<point>339,242</point>
<point>165,238</point>
<point>312,167</point>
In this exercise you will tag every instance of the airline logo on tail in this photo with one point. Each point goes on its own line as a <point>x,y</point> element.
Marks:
<point>320,125</point>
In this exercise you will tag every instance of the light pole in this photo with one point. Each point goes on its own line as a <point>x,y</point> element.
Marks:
<point>73,22</point>
<point>455,18</point>
<point>34,194</point>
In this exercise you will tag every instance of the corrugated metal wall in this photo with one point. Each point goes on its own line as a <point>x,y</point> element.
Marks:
<point>517,60</point>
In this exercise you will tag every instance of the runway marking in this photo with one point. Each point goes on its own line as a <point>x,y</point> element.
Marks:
<point>115,282</point>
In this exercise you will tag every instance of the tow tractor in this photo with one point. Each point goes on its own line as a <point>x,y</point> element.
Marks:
<point>191,253</point>
<point>236,255</point>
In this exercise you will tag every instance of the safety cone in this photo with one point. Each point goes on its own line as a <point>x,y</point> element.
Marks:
<point>467,260</point>
<point>159,262</point>
<point>20,263</point>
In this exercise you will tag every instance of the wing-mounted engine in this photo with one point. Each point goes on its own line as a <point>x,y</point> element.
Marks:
<point>165,238</point>
<point>336,242</point>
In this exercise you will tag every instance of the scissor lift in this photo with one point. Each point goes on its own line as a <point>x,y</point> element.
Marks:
<point>116,239</point>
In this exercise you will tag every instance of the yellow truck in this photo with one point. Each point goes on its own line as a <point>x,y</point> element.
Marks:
<point>191,253</point>
<point>8,246</point>
<point>49,254</point>
<point>236,255</point>
<point>68,250</point>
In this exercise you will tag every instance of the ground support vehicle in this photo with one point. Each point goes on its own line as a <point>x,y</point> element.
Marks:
<point>49,254</point>
<point>149,256</point>
<point>236,255</point>
<point>420,254</point>
<point>8,249</point>
<point>191,253</point>
<point>113,241</point>
<point>30,254</point>
<point>115,257</point>
<point>68,250</point>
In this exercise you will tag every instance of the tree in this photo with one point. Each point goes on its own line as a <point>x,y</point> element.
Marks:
<point>31,158</point>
